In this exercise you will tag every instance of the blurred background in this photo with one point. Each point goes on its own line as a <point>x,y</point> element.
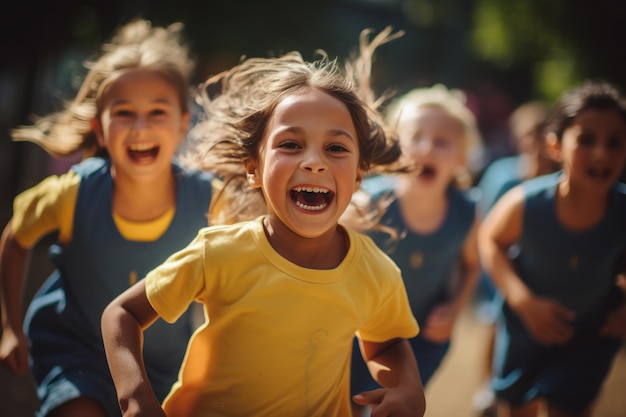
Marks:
<point>501,53</point>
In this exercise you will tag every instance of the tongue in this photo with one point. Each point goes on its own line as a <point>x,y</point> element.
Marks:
<point>311,199</point>
<point>143,156</point>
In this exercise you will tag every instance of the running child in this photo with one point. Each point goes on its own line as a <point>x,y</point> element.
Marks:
<point>429,221</point>
<point>118,215</point>
<point>284,293</point>
<point>553,247</point>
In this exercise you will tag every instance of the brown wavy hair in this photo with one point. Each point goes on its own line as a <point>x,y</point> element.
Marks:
<point>237,115</point>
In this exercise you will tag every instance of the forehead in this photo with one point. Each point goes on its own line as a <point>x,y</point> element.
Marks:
<point>429,117</point>
<point>600,119</point>
<point>313,107</point>
<point>139,84</point>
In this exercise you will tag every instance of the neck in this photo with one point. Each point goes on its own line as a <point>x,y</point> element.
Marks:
<point>326,251</point>
<point>576,210</point>
<point>423,208</point>
<point>143,201</point>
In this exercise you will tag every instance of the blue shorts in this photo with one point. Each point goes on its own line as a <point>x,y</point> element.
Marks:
<point>67,357</point>
<point>569,376</point>
<point>428,355</point>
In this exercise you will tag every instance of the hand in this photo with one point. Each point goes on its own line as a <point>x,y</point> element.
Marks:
<point>14,351</point>
<point>615,324</point>
<point>440,324</point>
<point>547,321</point>
<point>392,402</point>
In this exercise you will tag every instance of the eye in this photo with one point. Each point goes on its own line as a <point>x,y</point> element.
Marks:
<point>616,143</point>
<point>289,145</point>
<point>337,148</point>
<point>586,140</point>
<point>441,143</point>
<point>158,111</point>
<point>122,113</point>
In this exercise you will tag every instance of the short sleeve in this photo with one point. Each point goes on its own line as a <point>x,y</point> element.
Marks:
<point>46,207</point>
<point>176,283</point>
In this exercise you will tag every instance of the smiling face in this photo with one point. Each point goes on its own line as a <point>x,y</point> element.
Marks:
<point>141,124</point>
<point>592,149</point>
<point>308,163</point>
<point>434,141</point>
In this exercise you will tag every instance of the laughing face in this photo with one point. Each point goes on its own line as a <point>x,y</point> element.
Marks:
<point>308,163</point>
<point>593,149</point>
<point>434,141</point>
<point>141,124</point>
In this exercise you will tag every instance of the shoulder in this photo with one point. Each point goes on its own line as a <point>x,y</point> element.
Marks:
<point>500,169</point>
<point>371,257</point>
<point>618,195</point>
<point>465,198</point>
<point>541,183</point>
<point>379,186</point>
<point>91,166</point>
<point>229,236</point>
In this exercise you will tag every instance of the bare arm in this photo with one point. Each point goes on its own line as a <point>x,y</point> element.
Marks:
<point>123,322</point>
<point>545,319</point>
<point>13,265</point>
<point>615,324</point>
<point>440,323</point>
<point>392,364</point>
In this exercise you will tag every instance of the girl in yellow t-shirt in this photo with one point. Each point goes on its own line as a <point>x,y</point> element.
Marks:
<point>285,293</point>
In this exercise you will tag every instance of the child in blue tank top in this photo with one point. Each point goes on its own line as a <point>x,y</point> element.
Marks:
<point>554,247</point>
<point>431,218</point>
<point>120,212</point>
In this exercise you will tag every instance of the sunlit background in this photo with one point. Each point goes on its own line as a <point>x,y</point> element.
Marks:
<point>500,52</point>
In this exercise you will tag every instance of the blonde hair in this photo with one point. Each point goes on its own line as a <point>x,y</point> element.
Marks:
<point>137,45</point>
<point>453,103</point>
<point>237,117</point>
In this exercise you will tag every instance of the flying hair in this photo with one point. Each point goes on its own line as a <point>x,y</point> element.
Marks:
<point>238,104</point>
<point>137,45</point>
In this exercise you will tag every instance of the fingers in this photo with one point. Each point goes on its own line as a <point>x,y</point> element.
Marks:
<point>369,397</point>
<point>16,363</point>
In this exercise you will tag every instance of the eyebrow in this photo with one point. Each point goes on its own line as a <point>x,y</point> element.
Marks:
<point>332,132</point>
<point>159,100</point>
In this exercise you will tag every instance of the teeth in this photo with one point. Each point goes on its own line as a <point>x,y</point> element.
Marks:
<point>312,208</point>
<point>312,189</point>
<point>138,147</point>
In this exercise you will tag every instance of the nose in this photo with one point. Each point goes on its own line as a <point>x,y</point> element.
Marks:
<point>141,123</point>
<point>601,150</point>
<point>313,161</point>
<point>424,146</point>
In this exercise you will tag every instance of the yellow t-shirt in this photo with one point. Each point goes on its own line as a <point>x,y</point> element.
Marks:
<point>49,206</point>
<point>278,337</point>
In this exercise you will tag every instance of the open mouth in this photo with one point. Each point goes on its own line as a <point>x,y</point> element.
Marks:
<point>143,153</point>
<point>599,173</point>
<point>311,198</point>
<point>427,172</point>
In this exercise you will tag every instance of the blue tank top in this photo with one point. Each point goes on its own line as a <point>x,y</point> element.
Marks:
<point>98,264</point>
<point>427,261</point>
<point>577,268</point>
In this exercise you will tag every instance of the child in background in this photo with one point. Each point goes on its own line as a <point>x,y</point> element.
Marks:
<point>117,216</point>
<point>527,124</point>
<point>284,293</point>
<point>563,317</point>
<point>432,220</point>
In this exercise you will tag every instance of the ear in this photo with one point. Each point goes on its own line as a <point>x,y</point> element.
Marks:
<point>184,124</point>
<point>553,147</point>
<point>252,174</point>
<point>96,127</point>
<point>359,179</point>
